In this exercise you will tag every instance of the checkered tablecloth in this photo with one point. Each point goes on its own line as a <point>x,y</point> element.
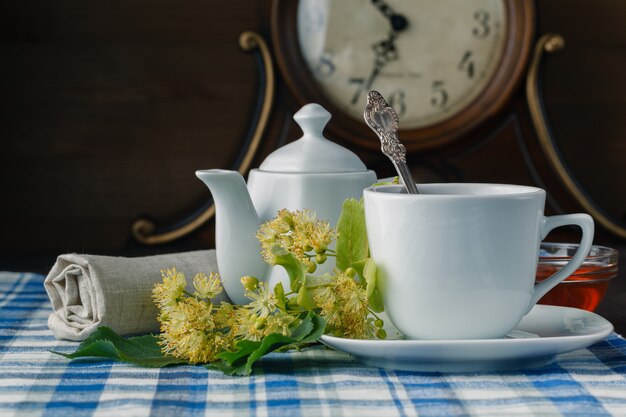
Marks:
<point>315,382</point>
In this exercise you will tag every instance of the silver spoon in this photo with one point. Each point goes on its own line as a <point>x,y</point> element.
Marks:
<point>383,120</point>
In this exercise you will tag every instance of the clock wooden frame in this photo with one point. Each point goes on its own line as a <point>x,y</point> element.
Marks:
<point>520,19</point>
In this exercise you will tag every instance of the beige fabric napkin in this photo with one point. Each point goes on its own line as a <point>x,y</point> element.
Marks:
<point>88,291</point>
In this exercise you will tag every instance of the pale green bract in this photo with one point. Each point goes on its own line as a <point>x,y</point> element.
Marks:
<point>352,245</point>
<point>353,249</point>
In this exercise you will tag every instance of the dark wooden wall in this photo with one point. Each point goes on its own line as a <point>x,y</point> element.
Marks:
<point>108,107</point>
<point>585,94</point>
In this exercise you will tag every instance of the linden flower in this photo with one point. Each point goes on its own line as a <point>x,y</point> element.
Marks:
<point>326,298</point>
<point>188,331</point>
<point>207,287</point>
<point>195,346</point>
<point>344,306</point>
<point>279,323</point>
<point>249,326</point>
<point>274,232</point>
<point>169,292</point>
<point>252,327</point>
<point>173,321</point>
<point>322,236</point>
<point>298,232</point>
<point>190,313</point>
<point>225,318</point>
<point>354,308</point>
<point>311,233</point>
<point>225,315</point>
<point>263,301</point>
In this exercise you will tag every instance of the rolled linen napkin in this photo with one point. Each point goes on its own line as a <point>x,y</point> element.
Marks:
<point>88,291</point>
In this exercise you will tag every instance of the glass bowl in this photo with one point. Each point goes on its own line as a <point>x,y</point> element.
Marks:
<point>586,287</point>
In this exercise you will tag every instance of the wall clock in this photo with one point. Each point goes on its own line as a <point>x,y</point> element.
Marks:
<point>445,65</point>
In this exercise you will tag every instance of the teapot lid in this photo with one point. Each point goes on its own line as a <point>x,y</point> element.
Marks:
<point>312,153</point>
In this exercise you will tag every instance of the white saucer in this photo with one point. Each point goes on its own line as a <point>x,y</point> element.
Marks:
<point>543,333</point>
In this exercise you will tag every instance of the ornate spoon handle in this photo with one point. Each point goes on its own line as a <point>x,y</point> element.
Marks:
<point>383,120</point>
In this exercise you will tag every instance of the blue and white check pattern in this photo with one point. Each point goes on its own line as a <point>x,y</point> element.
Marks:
<point>316,382</point>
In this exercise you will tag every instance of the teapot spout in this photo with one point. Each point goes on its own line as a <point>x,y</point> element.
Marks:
<point>236,224</point>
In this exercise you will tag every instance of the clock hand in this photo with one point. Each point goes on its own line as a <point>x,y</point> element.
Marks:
<point>398,21</point>
<point>385,50</point>
<point>378,65</point>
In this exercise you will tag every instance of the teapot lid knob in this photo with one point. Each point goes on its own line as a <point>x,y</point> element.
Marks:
<point>312,119</point>
<point>313,153</point>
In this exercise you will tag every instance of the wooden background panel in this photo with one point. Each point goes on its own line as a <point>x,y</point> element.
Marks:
<point>108,107</point>
<point>585,95</point>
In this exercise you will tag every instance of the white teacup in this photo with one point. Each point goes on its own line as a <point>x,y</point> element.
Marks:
<point>458,261</point>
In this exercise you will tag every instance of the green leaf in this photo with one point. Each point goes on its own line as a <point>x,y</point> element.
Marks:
<point>352,241</point>
<point>243,349</point>
<point>319,325</point>
<point>374,297</point>
<point>305,298</point>
<point>396,180</point>
<point>295,269</point>
<point>317,280</point>
<point>304,327</point>
<point>359,265</point>
<point>139,350</point>
<point>248,352</point>
<point>281,298</point>
<point>145,350</point>
<point>369,273</point>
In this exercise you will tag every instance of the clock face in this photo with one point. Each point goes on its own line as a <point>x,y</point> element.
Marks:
<point>429,59</point>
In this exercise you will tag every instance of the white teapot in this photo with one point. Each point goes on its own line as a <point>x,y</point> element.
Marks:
<point>312,173</point>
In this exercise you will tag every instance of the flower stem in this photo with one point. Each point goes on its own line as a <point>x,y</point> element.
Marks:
<point>374,314</point>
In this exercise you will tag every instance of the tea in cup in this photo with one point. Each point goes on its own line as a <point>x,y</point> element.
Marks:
<point>458,261</point>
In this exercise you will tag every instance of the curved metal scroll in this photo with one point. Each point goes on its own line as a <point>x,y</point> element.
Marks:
<point>145,230</point>
<point>550,43</point>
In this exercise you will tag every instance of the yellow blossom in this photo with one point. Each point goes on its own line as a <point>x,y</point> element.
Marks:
<point>194,329</point>
<point>279,323</point>
<point>248,326</point>
<point>207,287</point>
<point>326,298</point>
<point>344,306</point>
<point>299,233</point>
<point>263,301</point>
<point>169,292</point>
<point>189,331</point>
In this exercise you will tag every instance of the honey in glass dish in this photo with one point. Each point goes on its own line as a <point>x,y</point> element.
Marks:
<point>586,287</point>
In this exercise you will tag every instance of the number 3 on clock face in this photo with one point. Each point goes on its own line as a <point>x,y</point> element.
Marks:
<point>432,60</point>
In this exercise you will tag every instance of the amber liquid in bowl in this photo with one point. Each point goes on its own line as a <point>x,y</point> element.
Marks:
<point>586,287</point>
<point>583,290</point>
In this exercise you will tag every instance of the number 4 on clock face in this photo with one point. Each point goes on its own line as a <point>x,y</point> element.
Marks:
<point>431,60</point>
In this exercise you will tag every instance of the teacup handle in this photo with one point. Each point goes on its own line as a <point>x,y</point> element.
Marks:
<point>585,222</point>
